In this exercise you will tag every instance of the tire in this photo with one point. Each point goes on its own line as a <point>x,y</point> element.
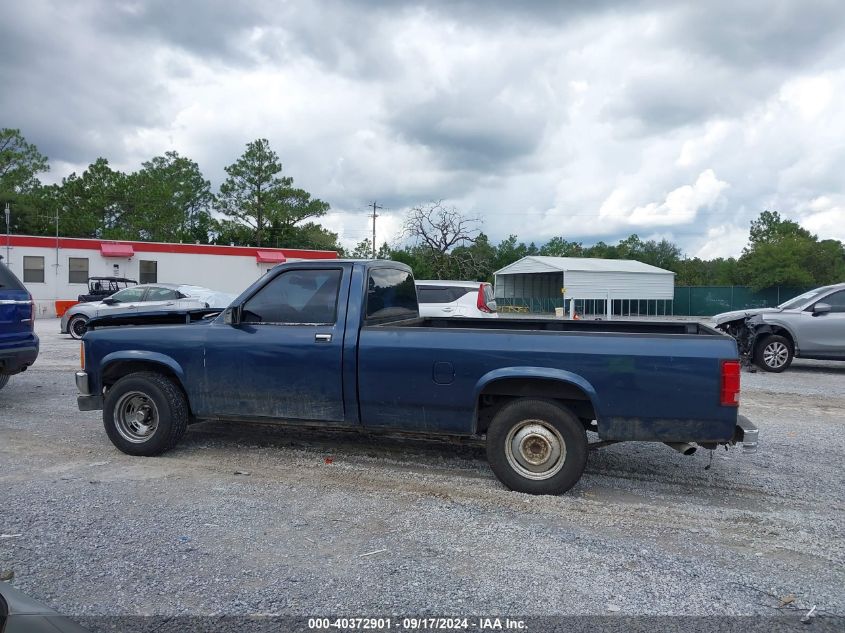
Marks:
<point>77,326</point>
<point>521,447</point>
<point>145,413</point>
<point>4,380</point>
<point>774,353</point>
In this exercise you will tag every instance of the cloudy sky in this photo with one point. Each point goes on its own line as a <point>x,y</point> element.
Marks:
<point>590,120</point>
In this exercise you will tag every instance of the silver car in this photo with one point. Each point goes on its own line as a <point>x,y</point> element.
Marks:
<point>811,325</point>
<point>145,297</point>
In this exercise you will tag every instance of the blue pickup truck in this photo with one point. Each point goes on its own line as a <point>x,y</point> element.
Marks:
<point>340,344</point>
<point>18,341</point>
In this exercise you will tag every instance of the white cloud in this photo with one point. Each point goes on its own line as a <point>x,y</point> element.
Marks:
<point>680,206</point>
<point>725,240</point>
<point>810,96</point>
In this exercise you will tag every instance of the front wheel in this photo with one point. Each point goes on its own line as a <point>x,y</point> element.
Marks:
<point>774,353</point>
<point>77,326</point>
<point>537,446</point>
<point>145,413</point>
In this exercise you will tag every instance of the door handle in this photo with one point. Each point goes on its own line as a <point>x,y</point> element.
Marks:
<point>322,338</point>
<point>448,309</point>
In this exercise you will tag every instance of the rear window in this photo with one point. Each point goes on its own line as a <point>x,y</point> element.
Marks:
<point>8,279</point>
<point>441,294</point>
<point>391,295</point>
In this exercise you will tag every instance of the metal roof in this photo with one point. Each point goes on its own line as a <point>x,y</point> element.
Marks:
<point>544,264</point>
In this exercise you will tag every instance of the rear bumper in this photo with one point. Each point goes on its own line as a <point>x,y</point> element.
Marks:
<point>746,434</point>
<point>15,359</point>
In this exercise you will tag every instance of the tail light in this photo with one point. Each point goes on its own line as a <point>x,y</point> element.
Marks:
<point>481,303</point>
<point>730,383</point>
<point>81,355</point>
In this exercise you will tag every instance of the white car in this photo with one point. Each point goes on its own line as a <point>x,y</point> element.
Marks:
<point>146,297</point>
<point>443,298</point>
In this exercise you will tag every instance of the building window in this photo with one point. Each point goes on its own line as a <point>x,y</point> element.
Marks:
<point>33,270</point>
<point>77,270</point>
<point>149,272</point>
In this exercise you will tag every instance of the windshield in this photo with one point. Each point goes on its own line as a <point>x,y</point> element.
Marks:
<point>800,300</point>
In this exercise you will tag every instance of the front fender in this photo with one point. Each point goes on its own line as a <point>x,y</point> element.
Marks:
<point>142,356</point>
<point>783,324</point>
<point>545,373</point>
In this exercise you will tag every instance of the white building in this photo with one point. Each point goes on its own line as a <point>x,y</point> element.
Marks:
<point>57,270</point>
<point>594,286</point>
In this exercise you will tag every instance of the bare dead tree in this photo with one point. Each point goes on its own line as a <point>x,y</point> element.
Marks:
<point>440,228</point>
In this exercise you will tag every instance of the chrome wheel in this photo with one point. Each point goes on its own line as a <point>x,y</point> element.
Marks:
<point>535,449</point>
<point>775,354</point>
<point>136,417</point>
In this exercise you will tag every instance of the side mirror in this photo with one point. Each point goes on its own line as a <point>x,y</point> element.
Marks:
<point>109,301</point>
<point>821,308</point>
<point>232,315</point>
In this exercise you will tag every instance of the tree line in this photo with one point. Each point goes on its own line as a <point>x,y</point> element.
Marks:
<point>169,200</point>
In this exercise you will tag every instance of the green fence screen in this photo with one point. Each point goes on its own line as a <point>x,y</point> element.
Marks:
<point>710,300</point>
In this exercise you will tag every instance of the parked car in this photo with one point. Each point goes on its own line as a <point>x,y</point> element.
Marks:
<point>101,287</point>
<point>143,297</point>
<point>441,298</point>
<point>21,614</point>
<point>341,344</point>
<point>18,342</point>
<point>811,325</point>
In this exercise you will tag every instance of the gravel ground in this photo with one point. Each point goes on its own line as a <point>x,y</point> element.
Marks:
<point>338,523</point>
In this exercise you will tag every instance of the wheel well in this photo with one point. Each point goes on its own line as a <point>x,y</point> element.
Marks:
<point>118,369</point>
<point>779,331</point>
<point>498,393</point>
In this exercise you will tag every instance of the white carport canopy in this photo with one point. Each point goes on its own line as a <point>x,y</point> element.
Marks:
<point>583,278</point>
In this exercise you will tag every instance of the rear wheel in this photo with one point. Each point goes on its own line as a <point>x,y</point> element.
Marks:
<point>537,446</point>
<point>145,413</point>
<point>4,379</point>
<point>77,326</point>
<point>774,353</point>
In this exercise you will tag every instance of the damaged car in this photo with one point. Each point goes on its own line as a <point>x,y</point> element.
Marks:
<point>143,298</point>
<point>811,325</point>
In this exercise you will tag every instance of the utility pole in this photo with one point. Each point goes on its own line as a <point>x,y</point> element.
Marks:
<point>8,235</point>
<point>374,216</point>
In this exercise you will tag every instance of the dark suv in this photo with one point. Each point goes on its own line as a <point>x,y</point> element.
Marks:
<point>18,342</point>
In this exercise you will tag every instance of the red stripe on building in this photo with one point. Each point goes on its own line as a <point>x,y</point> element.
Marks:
<point>163,247</point>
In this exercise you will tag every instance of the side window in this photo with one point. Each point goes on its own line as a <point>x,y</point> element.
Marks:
<point>836,301</point>
<point>459,292</point>
<point>296,296</point>
<point>33,270</point>
<point>147,271</point>
<point>77,270</point>
<point>130,295</point>
<point>433,294</point>
<point>391,295</point>
<point>161,294</point>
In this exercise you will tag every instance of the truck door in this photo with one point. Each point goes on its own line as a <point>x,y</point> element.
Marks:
<point>283,360</point>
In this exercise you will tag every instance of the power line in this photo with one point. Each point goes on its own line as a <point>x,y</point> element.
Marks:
<point>374,216</point>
